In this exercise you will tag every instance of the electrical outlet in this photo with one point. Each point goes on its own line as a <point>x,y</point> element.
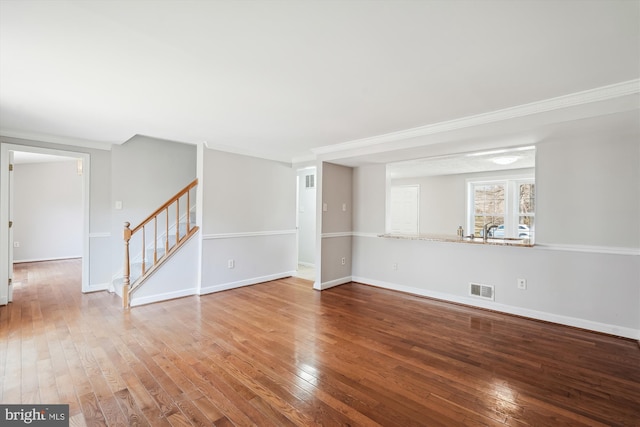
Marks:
<point>522,283</point>
<point>16,244</point>
<point>231,263</point>
<point>395,266</point>
<point>344,261</point>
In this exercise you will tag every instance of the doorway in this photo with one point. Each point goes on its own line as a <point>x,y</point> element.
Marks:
<point>45,196</point>
<point>306,222</point>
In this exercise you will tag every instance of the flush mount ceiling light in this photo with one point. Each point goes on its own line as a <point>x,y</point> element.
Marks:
<point>506,160</point>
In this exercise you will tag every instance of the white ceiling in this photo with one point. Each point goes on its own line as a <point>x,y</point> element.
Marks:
<point>278,79</point>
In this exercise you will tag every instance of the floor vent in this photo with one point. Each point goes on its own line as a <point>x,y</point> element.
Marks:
<point>481,291</point>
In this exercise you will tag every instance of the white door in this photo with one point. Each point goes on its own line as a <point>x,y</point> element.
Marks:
<point>404,209</point>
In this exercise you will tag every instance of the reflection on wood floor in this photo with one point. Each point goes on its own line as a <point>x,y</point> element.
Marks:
<point>282,354</point>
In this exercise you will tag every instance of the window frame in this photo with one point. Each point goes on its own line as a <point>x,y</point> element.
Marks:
<point>512,215</point>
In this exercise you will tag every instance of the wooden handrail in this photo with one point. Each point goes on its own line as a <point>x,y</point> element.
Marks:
<point>165,205</point>
<point>127,286</point>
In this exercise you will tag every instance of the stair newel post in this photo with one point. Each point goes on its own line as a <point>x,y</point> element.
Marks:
<point>126,279</point>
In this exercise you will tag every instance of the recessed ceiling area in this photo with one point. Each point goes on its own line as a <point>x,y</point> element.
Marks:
<point>279,79</point>
<point>481,161</point>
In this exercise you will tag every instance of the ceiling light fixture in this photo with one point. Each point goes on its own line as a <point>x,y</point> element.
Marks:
<point>506,160</point>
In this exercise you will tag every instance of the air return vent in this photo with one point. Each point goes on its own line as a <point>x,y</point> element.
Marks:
<point>310,181</point>
<point>481,291</point>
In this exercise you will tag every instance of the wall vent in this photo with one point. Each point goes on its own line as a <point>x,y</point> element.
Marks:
<point>481,291</point>
<point>310,181</point>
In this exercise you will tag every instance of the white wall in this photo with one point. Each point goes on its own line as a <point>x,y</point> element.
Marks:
<point>48,211</point>
<point>248,217</point>
<point>577,276</point>
<point>306,219</point>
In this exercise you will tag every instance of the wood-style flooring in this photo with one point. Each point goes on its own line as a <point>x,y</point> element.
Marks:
<point>282,354</point>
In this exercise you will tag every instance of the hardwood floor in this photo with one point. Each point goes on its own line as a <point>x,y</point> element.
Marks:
<point>282,354</point>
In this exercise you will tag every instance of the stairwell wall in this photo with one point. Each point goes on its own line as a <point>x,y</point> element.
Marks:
<point>145,173</point>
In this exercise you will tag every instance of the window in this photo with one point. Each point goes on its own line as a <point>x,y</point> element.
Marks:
<point>507,205</point>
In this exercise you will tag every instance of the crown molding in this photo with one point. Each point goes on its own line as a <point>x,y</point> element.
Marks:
<point>54,139</point>
<point>575,99</point>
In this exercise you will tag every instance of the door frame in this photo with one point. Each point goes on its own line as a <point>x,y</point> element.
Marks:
<point>6,264</point>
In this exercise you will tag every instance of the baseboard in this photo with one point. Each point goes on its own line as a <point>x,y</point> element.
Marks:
<point>19,261</point>
<point>246,282</point>
<point>306,264</point>
<point>97,287</point>
<point>163,297</point>
<point>4,300</point>
<point>508,309</point>
<point>331,283</point>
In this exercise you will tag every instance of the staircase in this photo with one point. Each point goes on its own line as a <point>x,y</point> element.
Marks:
<point>156,239</point>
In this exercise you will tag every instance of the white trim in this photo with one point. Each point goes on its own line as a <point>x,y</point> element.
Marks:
<point>588,96</point>
<point>246,282</point>
<point>518,311</point>
<point>15,261</point>
<point>360,234</point>
<point>337,234</point>
<point>97,287</point>
<point>306,264</point>
<point>612,250</point>
<point>73,142</point>
<point>248,234</point>
<point>99,235</point>
<point>163,297</point>
<point>331,283</point>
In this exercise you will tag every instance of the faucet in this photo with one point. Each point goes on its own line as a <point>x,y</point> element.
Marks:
<point>487,229</point>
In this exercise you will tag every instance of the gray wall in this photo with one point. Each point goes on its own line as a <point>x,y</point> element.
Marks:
<point>589,192</point>
<point>48,211</point>
<point>249,210</point>
<point>145,173</point>
<point>337,224</point>
<point>577,275</point>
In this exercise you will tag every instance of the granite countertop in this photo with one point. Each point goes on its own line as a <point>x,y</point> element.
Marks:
<point>455,239</point>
